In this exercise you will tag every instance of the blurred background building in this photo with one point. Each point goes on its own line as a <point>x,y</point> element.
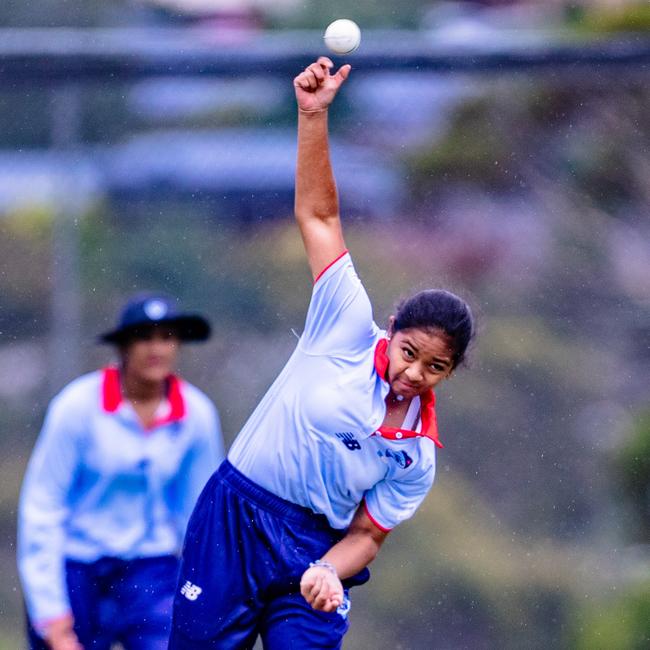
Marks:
<point>500,148</point>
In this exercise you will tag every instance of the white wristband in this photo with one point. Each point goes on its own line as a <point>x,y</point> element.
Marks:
<point>326,565</point>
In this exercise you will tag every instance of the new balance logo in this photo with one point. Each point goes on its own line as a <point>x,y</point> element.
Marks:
<point>190,591</point>
<point>349,440</point>
<point>344,608</point>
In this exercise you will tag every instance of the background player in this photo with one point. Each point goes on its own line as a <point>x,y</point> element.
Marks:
<point>117,468</point>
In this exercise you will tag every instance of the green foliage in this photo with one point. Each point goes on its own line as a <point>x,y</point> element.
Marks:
<point>24,251</point>
<point>633,469</point>
<point>622,623</point>
<point>196,255</point>
<point>630,18</point>
<point>464,576</point>
<point>475,150</point>
<point>591,141</point>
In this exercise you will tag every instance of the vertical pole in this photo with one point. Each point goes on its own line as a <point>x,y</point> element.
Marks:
<point>65,337</point>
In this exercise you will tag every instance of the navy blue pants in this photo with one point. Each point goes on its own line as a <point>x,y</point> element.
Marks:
<point>122,601</point>
<point>244,554</point>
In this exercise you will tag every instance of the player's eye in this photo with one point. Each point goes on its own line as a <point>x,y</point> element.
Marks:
<point>408,353</point>
<point>142,334</point>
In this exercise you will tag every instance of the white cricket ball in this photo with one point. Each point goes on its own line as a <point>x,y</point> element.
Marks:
<point>342,36</point>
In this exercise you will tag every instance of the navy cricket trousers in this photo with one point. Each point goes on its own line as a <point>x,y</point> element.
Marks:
<point>114,600</point>
<point>244,554</point>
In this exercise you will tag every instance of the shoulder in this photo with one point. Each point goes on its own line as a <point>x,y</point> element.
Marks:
<point>73,407</point>
<point>421,455</point>
<point>197,402</point>
<point>339,275</point>
<point>342,264</point>
<point>427,449</point>
<point>82,391</point>
<point>427,456</point>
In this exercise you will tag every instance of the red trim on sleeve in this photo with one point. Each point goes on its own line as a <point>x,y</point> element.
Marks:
<point>374,521</point>
<point>332,263</point>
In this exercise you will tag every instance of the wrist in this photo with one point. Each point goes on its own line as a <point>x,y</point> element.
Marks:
<point>312,112</point>
<point>63,624</point>
<point>325,565</point>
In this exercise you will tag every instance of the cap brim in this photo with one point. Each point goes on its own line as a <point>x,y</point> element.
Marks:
<point>190,327</point>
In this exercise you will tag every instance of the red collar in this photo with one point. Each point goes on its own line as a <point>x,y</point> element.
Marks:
<point>427,405</point>
<point>112,396</point>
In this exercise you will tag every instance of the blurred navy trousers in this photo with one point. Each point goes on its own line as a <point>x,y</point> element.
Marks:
<point>118,600</point>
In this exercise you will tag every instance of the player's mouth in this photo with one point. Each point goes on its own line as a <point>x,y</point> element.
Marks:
<point>155,362</point>
<point>407,387</point>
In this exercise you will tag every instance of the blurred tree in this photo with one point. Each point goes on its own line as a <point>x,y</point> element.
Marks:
<point>627,17</point>
<point>24,278</point>
<point>633,470</point>
<point>622,623</point>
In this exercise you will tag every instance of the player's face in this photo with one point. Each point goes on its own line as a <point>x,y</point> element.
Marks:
<point>150,355</point>
<point>418,360</point>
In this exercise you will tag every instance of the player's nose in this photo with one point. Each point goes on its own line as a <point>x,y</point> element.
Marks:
<point>414,373</point>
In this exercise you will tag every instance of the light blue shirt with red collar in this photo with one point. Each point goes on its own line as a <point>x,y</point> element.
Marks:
<point>99,484</point>
<point>316,439</point>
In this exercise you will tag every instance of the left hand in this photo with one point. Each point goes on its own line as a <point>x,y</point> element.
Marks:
<point>321,589</point>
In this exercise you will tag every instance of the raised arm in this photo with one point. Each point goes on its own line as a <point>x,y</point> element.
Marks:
<point>316,200</point>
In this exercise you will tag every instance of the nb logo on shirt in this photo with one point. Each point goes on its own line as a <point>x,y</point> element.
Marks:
<point>349,440</point>
<point>190,591</point>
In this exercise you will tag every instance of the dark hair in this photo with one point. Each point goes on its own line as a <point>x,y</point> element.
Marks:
<point>437,309</point>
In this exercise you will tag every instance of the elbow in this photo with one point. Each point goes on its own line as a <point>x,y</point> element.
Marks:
<point>312,214</point>
<point>372,553</point>
<point>323,206</point>
<point>371,547</point>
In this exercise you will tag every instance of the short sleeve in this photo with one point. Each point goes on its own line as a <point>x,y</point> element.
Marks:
<point>339,318</point>
<point>394,500</point>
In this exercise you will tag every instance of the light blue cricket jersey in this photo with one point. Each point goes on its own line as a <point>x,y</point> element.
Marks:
<point>316,437</point>
<point>99,484</point>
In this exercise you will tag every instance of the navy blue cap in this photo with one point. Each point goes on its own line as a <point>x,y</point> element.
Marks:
<point>146,309</point>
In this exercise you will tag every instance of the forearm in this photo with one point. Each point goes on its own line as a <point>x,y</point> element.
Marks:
<point>42,570</point>
<point>353,553</point>
<point>316,195</point>
<point>320,586</point>
<point>42,520</point>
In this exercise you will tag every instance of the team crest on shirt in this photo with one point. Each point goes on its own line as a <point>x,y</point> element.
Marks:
<point>348,439</point>
<point>400,457</point>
